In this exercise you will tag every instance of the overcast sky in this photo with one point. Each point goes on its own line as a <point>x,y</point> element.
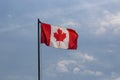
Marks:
<point>97,23</point>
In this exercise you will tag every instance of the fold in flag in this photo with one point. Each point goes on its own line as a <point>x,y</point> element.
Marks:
<point>58,37</point>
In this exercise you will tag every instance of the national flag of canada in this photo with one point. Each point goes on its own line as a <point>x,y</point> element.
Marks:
<point>58,37</point>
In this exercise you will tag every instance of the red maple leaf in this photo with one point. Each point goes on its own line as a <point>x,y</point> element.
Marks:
<point>59,35</point>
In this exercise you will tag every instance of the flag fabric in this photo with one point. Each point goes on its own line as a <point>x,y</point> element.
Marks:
<point>58,37</point>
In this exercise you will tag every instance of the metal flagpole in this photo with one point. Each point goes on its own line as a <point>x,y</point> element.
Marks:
<point>39,49</point>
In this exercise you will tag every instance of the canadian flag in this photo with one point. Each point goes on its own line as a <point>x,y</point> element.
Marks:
<point>58,37</point>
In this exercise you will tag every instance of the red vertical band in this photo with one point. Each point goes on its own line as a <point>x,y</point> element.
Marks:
<point>72,39</point>
<point>45,33</point>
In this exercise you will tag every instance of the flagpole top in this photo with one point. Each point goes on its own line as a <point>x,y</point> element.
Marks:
<point>39,21</point>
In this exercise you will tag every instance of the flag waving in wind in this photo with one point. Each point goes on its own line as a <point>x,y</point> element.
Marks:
<point>58,37</point>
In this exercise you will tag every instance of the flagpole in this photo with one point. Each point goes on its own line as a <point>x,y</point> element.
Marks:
<point>39,50</point>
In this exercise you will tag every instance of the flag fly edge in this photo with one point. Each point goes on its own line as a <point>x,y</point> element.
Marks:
<point>73,36</point>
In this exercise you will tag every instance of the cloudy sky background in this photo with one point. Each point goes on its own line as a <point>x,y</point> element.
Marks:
<point>96,21</point>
